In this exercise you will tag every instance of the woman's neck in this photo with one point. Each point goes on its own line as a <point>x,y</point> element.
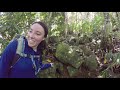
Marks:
<point>35,49</point>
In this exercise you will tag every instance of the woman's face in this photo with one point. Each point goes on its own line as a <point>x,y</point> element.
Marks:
<point>35,35</point>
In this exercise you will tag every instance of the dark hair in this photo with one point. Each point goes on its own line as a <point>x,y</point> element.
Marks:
<point>44,27</point>
<point>42,45</point>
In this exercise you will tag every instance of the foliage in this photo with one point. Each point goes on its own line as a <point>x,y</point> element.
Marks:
<point>13,23</point>
<point>87,44</point>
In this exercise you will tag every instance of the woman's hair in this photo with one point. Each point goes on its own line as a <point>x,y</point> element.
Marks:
<point>42,45</point>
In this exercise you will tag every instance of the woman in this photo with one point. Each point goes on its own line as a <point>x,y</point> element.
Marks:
<point>25,67</point>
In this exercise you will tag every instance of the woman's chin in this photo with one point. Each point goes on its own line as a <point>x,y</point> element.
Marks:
<point>30,45</point>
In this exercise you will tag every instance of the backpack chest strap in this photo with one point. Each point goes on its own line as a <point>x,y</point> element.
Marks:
<point>29,55</point>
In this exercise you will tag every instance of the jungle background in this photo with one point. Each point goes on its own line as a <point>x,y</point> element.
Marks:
<point>80,44</point>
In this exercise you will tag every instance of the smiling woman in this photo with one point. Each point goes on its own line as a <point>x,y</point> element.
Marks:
<point>35,35</point>
<point>28,51</point>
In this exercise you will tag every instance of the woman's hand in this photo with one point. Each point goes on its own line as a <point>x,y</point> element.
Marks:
<point>52,64</point>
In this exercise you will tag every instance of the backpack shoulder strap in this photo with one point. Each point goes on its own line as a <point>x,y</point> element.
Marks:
<point>19,50</point>
<point>21,45</point>
<point>16,58</point>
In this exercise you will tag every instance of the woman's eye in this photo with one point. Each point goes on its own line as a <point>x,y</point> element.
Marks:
<point>38,33</point>
<point>30,31</point>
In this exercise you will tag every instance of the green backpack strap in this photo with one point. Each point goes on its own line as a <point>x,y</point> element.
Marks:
<point>19,50</point>
<point>21,45</point>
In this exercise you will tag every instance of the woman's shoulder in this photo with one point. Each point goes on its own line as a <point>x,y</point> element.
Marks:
<point>10,48</point>
<point>18,41</point>
<point>17,38</point>
<point>13,43</point>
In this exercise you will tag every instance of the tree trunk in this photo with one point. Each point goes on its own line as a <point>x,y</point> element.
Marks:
<point>107,23</point>
<point>118,19</point>
<point>66,24</point>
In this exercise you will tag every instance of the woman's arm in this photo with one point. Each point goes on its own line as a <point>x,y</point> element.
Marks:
<point>6,59</point>
<point>45,66</point>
